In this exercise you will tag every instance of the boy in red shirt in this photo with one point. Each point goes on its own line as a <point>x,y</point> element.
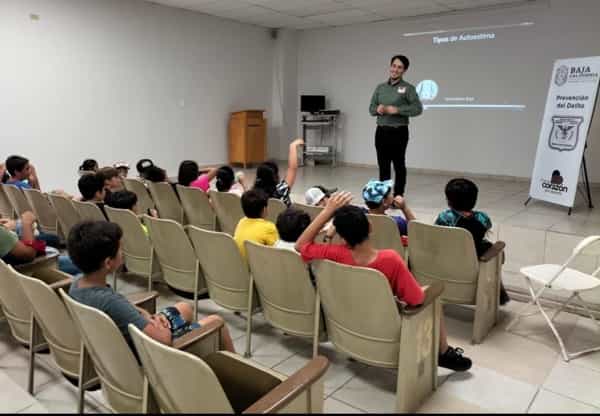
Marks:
<point>353,226</point>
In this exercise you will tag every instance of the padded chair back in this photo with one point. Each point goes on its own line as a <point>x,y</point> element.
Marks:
<point>175,254</point>
<point>226,273</point>
<point>444,254</point>
<point>6,208</point>
<point>136,186</point>
<point>17,199</point>
<point>177,378</point>
<point>197,208</point>
<point>275,207</point>
<point>309,209</point>
<point>228,208</point>
<point>88,211</point>
<point>65,211</point>
<point>286,292</point>
<point>54,319</point>
<point>120,376</point>
<point>136,245</point>
<point>166,201</point>
<point>43,210</point>
<point>367,330</point>
<point>15,306</point>
<point>385,234</point>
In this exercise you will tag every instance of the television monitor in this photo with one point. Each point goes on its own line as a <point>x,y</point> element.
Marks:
<point>312,103</point>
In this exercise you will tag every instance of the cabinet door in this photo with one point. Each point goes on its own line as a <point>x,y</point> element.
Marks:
<point>255,147</point>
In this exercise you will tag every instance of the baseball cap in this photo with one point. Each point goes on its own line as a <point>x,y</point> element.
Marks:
<point>313,196</point>
<point>374,191</point>
<point>121,165</point>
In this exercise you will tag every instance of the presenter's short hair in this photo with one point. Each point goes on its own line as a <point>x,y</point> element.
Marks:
<point>403,59</point>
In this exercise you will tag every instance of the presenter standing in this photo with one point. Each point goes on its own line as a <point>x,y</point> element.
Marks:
<point>393,102</point>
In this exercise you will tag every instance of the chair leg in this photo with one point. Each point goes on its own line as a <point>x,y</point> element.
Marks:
<point>521,313</point>
<point>248,352</point>
<point>563,306</point>
<point>316,326</point>
<point>33,330</point>
<point>196,283</point>
<point>85,375</point>
<point>554,330</point>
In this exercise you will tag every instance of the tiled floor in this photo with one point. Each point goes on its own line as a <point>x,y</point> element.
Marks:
<point>517,371</point>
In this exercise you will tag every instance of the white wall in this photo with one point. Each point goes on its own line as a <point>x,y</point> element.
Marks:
<point>346,63</point>
<point>121,80</point>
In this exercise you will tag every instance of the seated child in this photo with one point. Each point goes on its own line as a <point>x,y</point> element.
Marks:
<point>142,165</point>
<point>91,187</point>
<point>318,195</point>
<point>352,224</point>
<point>461,195</point>
<point>155,174</point>
<point>189,175</point>
<point>379,198</point>
<point>22,173</point>
<point>268,180</point>
<point>228,181</point>
<point>128,200</point>
<point>122,168</point>
<point>112,179</point>
<point>96,249</point>
<point>88,166</point>
<point>291,223</point>
<point>254,226</point>
<point>25,246</point>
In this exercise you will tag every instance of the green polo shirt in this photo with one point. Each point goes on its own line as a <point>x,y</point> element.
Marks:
<point>400,94</point>
<point>8,241</point>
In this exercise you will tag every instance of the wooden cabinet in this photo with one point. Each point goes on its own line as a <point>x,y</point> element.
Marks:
<point>247,137</point>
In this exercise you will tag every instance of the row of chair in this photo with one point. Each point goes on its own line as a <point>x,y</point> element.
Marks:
<point>89,349</point>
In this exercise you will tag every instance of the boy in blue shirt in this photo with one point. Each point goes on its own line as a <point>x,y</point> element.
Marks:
<point>22,173</point>
<point>379,198</point>
<point>461,195</point>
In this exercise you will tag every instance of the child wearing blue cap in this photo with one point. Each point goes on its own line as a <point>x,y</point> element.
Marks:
<point>379,198</point>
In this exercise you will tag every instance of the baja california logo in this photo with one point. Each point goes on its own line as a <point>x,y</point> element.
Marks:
<point>565,133</point>
<point>562,74</point>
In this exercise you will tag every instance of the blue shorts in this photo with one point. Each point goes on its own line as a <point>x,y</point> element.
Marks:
<point>179,326</point>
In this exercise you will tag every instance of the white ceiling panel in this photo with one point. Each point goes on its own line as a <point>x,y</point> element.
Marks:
<point>309,14</point>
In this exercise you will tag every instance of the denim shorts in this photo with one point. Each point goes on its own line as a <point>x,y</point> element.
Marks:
<point>179,326</point>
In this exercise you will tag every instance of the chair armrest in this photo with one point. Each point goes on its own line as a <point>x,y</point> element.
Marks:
<point>62,284</point>
<point>289,389</point>
<point>493,251</point>
<point>144,300</point>
<point>432,292</point>
<point>196,335</point>
<point>47,260</point>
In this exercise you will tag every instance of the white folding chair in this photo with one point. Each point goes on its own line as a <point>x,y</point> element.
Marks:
<point>562,277</point>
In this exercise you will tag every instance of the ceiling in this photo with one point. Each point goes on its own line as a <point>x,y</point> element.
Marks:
<point>310,14</point>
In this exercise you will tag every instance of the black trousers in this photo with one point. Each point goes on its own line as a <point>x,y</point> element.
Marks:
<point>391,143</point>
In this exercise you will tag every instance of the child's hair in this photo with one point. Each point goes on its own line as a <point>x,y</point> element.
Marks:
<point>90,243</point>
<point>188,172</point>
<point>107,173</point>
<point>291,223</point>
<point>352,224</point>
<point>155,174</point>
<point>89,165</point>
<point>15,163</point>
<point>254,202</point>
<point>461,194</point>
<point>375,205</point>
<point>122,200</point>
<point>89,184</point>
<point>142,165</point>
<point>267,177</point>
<point>225,178</point>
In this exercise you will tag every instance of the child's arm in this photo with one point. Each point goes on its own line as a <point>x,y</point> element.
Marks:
<point>400,203</point>
<point>33,178</point>
<point>336,201</point>
<point>212,172</point>
<point>290,177</point>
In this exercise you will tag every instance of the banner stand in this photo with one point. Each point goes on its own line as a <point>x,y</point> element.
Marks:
<point>586,183</point>
<point>560,169</point>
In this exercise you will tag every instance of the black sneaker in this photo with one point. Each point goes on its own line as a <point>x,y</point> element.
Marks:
<point>454,360</point>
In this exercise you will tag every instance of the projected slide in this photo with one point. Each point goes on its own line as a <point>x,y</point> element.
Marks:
<point>469,68</point>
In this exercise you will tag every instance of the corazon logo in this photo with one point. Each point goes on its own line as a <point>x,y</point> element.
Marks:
<point>555,184</point>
